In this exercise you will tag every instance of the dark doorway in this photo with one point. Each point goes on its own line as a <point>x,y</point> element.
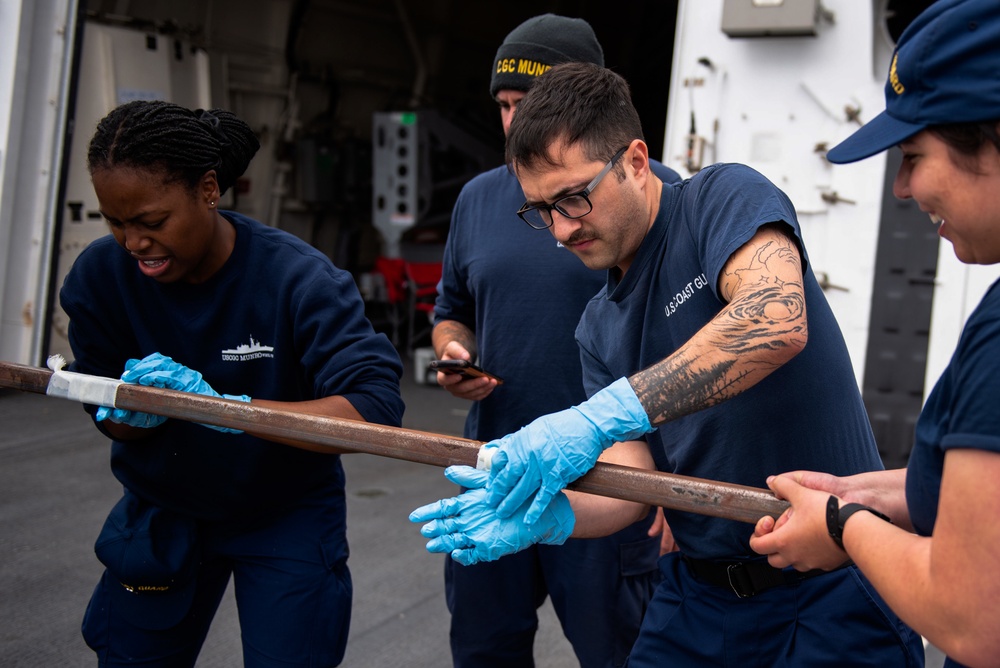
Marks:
<point>899,328</point>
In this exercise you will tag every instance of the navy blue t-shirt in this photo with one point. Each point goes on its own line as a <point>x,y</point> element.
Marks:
<point>278,321</point>
<point>962,411</point>
<point>808,414</point>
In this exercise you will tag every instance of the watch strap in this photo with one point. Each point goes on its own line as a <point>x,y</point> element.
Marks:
<point>837,516</point>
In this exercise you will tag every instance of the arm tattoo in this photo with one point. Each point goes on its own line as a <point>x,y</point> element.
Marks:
<point>762,327</point>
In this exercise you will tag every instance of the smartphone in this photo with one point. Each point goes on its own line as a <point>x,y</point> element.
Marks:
<point>464,368</point>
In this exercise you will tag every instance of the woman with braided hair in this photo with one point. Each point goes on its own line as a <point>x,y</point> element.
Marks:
<point>180,285</point>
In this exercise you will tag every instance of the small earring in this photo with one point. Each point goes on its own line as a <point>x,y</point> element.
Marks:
<point>211,204</point>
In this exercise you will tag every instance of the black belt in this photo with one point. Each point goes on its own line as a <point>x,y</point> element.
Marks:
<point>746,578</point>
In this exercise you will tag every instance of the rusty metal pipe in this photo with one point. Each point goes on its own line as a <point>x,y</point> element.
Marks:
<point>326,434</point>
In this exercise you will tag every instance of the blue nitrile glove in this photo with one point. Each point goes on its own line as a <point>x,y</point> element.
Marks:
<point>558,448</point>
<point>131,418</point>
<point>157,370</point>
<point>468,528</point>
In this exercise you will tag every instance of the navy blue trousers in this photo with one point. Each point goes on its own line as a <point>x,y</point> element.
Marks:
<point>833,620</point>
<point>599,590</point>
<point>293,594</point>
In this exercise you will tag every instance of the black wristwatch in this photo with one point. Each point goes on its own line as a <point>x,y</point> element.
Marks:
<point>836,517</point>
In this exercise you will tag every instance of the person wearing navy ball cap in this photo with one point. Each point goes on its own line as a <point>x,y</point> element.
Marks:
<point>936,564</point>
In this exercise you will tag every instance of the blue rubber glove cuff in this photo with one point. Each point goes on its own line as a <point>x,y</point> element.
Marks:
<point>226,430</point>
<point>554,450</point>
<point>468,529</point>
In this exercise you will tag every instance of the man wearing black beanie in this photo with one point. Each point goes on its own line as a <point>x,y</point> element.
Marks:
<point>512,297</point>
<point>533,47</point>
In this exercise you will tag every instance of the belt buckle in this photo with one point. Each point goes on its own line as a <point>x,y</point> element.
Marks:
<point>732,573</point>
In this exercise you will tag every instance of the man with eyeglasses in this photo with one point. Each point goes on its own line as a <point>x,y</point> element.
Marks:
<point>696,361</point>
<point>511,297</point>
<point>576,205</point>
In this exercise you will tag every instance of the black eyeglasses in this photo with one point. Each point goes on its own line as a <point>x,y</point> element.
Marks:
<point>577,205</point>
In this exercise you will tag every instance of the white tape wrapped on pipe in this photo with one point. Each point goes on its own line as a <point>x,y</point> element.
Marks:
<point>80,387</point>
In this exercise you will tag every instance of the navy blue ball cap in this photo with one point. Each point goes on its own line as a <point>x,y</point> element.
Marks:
<point>945,69</point>
<point>152,558</point>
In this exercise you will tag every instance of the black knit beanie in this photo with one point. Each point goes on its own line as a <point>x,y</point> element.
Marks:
<point>539,43</point>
